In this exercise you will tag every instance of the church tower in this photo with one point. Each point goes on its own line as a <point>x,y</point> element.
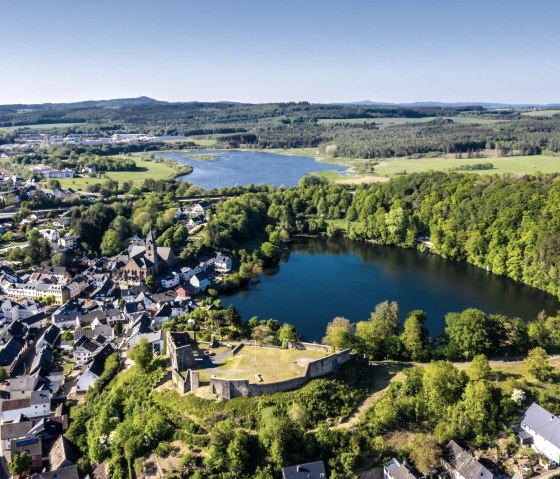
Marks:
<point>151,252</point>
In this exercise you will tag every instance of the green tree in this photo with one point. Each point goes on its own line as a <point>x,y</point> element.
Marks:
<point>339,334</point>
<point>53,184</point>
<point>3,374</point>
<point>151,283</point>
<point>415,336</point>
<point>142,354</point>
<point>469,333</point>
<point>20,464</point>
<point>442,385</point>
<point>538,365</point>
<point>287,333</point>
<point>59,259</point>
<point>479,408</point>
<point>479,368</point>
<point>425,453</point>
<point>111,244</point>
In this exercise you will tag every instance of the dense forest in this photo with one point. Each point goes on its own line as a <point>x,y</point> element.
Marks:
<point>507,225</point>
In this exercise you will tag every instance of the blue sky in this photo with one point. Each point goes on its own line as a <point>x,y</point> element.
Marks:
<point>262,50</point>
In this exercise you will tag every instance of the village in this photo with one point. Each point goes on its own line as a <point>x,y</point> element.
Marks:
<point>60,325</point>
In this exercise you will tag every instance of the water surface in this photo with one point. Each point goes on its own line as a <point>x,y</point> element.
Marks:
<point>321,279</point>
<point>241,168</point>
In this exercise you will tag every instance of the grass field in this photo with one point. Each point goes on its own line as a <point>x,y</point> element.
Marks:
<point>145,170</point>
<point>271,364</point>
<point>40,127</point>
<point>511,164</point>
<point>385,122</point>
<point>543,113</point>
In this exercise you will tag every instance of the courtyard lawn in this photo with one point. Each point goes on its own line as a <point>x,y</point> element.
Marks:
<point>271,364</point>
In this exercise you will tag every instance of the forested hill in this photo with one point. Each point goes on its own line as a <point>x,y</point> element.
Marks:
<point>507,225</point>
<point>115,103</point>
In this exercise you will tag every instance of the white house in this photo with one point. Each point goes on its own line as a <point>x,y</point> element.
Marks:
<point>52,235</point>
<point>171,280</point>
<point>94,369</point>
<point>222,263</point>
<point>541,429</point>
<point>200,282</point>
<point>187,273</point>
<point>394,469</point>
<point>37,405</point>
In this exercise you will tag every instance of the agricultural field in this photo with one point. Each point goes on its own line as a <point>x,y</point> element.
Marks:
<point>541,113</point>
<point>271,365</point>
<point>511,164</point>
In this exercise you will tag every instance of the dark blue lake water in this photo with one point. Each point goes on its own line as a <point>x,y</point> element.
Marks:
<point>322,279</point>
<point>240,168</point>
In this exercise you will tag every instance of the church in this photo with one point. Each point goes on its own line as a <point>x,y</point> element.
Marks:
<point>145,259</point>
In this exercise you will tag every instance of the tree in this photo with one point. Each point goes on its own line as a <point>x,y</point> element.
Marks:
<point>339,333</point>
<point>59,259</point>
<point>119,328</point>
<point>111,244</point>
<point>53,184</point>
<point>142,354</point>
<point>262,334</point>
<point>376,337</point>
<point>425,452</point>
<point>538,365</point>
<point>479,368</point>
<point>20,463</point>
<point>415,336</point>
<point>287,333</point>
<point>3,374</point>
<point>469,333</point>
<point>442,385</point>
<point>479,408</point>
<point>151,283</point>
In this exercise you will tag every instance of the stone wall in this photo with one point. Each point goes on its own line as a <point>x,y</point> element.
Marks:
<point>230,388</point>
<point>187,381</point>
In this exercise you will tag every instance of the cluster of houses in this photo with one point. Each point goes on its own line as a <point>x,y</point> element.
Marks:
<point>195,214</point>
<point>53,353</point>
<point>58,241</point>
<point>14,188</point>
<point>538,429</point>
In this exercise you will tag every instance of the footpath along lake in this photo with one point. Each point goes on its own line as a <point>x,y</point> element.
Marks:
<point>321,279</point>
<point>241,168</point>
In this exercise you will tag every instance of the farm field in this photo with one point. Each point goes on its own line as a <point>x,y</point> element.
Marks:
<point>271,364</point>
<point>541,113</point>
<point>512,164</point>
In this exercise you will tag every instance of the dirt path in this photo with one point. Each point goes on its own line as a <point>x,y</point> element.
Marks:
<point>383,374</point>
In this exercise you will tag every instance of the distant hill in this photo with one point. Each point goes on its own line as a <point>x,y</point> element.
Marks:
<point>116,103</point>
<point>439,104</point>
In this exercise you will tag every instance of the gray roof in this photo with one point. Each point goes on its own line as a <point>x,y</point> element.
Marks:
<point>464,463</point>
<point>70,472</point>
<point>543,423</point>
<point>399,470</point>
<point>312,470</point>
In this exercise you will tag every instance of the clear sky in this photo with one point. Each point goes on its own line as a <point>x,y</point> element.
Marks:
<point>277,50</point>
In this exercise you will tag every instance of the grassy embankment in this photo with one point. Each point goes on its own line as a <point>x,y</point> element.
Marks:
<point>145,168</point>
